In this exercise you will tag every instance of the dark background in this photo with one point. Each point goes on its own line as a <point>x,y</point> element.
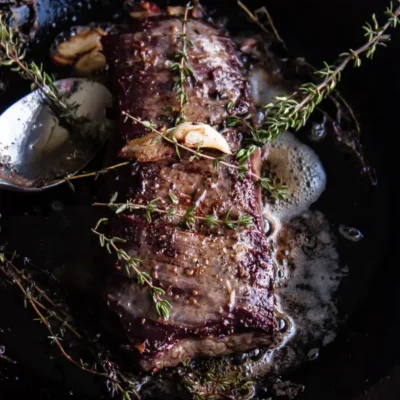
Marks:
<point>364,363</point>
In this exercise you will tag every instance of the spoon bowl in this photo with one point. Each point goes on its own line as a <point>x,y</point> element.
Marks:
<point>36,150</point>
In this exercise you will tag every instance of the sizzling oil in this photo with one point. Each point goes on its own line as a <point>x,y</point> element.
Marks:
<point>307,261</point>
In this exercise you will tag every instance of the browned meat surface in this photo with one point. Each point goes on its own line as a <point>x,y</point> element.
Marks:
<point>218,280</point>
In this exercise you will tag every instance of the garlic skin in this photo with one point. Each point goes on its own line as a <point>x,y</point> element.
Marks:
<point>144,149</point>
<point>199,135</point>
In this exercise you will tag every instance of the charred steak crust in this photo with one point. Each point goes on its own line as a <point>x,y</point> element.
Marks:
<point>218,280</point>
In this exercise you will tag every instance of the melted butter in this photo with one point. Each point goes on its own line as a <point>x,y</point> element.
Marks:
<point>307,261</point>
<point>308,271</point>
<point>312,276</point>
<point>290,162</point>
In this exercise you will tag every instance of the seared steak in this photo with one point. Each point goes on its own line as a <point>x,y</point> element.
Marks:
<point>218,280</point>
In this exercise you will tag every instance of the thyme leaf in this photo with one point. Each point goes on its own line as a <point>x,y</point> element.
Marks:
<point>278,192</point>
<point>173,198</point>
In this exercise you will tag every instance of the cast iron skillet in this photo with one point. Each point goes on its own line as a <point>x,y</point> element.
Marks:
<point>363,363</point>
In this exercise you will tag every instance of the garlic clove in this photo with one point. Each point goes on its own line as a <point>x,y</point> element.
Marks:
<point>84,41</point>
<point>90,62</point>
<point>201,136</point>
<point>61,61</point>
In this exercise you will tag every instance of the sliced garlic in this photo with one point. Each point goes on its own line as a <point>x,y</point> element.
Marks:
<point>198,135</point>
<point>81,51</point>
<point>84,41</point>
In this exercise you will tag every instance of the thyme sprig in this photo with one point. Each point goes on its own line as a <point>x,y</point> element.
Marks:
<point>12,55</point>
<point>275,191</point>
<point>96,174</point>
<point>336,97</point>
<point>189,217</point>
<point>181,67</point>
<point>58,321</point>
<point>131,265</point>
<point>293,111</point>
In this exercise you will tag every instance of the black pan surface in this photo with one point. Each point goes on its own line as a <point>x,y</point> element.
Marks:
<point>363,363</point>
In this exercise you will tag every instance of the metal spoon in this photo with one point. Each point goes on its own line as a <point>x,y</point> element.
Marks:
<point>35,149</point>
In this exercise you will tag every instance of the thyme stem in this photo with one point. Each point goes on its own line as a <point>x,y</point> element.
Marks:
<point>41,292</point>
<point>92,173</point>
<point>255,19</point>
<point>182,68</point>
<point>252,17</point>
